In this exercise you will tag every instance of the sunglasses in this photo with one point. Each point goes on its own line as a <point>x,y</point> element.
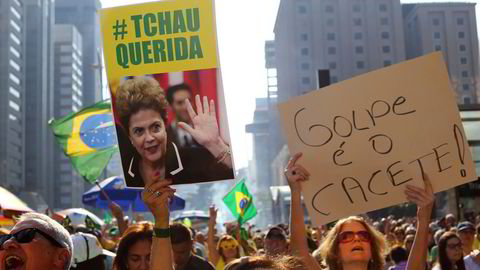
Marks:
<point>26,236</point>
<point>349,236</point>
<point>458,245</point>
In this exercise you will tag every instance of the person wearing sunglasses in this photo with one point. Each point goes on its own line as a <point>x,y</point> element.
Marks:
<point>36,242</point>
<point>353,244</point>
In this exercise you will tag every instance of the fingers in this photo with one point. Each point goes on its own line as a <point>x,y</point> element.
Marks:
<point>212,108</point>
<point>186,127</point>
<point>293,160</point>
<point>198,104</point>
<point>191,112</point>
<point>428,184</point>
<point>206,110</point>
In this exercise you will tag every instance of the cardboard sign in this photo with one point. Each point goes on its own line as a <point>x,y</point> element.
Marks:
<point>365,138</point>
<point>173,44</point>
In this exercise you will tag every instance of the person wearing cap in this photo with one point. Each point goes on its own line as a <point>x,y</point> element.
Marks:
<point>276,242</point>
<point>36,242</point>
<point>88,252</point>
<point>466,231</point>
<point>182,246</point>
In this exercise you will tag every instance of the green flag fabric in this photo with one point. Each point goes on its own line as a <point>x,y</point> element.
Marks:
<point>240,202</point>
<point>88,137</point>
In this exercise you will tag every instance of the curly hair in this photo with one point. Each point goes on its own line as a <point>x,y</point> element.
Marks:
<point>134,233</point>
<point>329,248</point>
<point>267,262</point>
<point>137,94</point>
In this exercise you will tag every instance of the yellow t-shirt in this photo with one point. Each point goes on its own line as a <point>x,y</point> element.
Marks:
<point>476,243</point>
<point>220,264</point>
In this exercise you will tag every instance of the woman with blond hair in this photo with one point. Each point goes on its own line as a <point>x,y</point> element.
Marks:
<point>352,244</point>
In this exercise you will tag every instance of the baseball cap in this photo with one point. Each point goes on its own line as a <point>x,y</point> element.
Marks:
<point>276,233</point>
<point>85,247</point>
<point>465,226</point>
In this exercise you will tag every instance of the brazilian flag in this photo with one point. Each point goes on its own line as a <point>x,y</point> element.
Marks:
<point>88,137</point>
<point>240,202</point>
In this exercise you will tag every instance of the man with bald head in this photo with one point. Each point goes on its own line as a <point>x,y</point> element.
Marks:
<point>36,242</point>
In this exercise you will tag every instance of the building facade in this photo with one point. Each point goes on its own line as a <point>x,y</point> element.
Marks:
<point>12,95</point>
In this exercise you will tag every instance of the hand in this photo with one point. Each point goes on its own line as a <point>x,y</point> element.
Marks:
<point>156,196</point>
<point>205,126</point>
<point>295,173</point>
<point>423,198</point>
<point>116,210</point>
<point>213,214</point>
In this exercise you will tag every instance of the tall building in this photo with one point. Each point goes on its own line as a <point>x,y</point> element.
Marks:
<point>40,20</point>
<point>84,16</point>
<point>12,95</point>
<point>451,28</point>
<point>347,37</point>
<point>69,186</point>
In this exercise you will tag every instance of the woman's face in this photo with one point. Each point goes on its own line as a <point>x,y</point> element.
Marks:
<point>454,249</point>
<point>138,257</point>
<point>148,135</point>
<point>354,243</point>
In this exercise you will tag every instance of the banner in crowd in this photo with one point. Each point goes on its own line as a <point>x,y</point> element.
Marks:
<point>159,56</point>
<point>365,138</point>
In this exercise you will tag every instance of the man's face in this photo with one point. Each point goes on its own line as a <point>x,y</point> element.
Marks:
<point>39,253</point>
<point>182,253</point>
<point>467,237</point>
<point>179,105</point>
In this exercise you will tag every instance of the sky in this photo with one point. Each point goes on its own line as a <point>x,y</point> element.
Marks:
<point>242,29</point>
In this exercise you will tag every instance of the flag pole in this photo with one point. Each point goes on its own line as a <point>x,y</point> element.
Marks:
<point>103,191</point>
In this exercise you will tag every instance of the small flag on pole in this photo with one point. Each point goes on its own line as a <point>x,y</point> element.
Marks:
<point>240,202</point>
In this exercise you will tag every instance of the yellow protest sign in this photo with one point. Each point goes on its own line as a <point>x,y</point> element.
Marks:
<point>365,138</point>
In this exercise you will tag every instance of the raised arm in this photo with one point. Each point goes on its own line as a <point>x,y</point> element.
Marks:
<point>424,199</point>
<point>213,255</point>
<point>156,196</point>
<point>295,174</point>
<point>117,212</point>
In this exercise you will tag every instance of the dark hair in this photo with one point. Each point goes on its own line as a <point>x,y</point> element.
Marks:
<point>174,88</point>
<point>134,233</point>
<point>398,254</point>
<point>274,263</point>
<point>179,233</point>
<point>138,94</point>
<point>95,263</point>
<point>443,260</point>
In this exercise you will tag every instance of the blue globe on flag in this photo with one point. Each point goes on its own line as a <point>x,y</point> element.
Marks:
<point>98,132</point>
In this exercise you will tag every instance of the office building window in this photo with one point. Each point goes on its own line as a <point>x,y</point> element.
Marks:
<point>12,117</point>
<point>13,105</point>
<point>387,63</point>
<point>382,7</point>
<point>465,74</point>
<point>304,37</point>
<point>436,35</point>
<point>358,49</point>
<point>332,50</point>
<point>438,48</point>
<point>463,60</point>
<point>360,64</point>
<point>15,38</point>
<point>330,22</point>
<point>356,8</point>
<point>14,92</point>
<point>305,80</point>
<point>460,21</point>
<point>305,66</point>
<point>15,25</point>
<point>462,48</point>
<point>302,9</point>
<point>329,9</point>
<point>386,49</point>
<point>330,36</point>
<point>461,34</point>
<point>357,36</point>
<point>15,13</point>
<point>14,65</point>
<point>466,87</point>
<point>436,22</point>
<point>385,35</point>
<point>466,100</point>
<point>14,78</point>
<point>332,65</point>
<point>357,21</point>
<point>384,21</point>
<point>304,51</point>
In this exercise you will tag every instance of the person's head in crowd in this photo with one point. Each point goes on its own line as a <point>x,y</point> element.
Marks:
<point>410,231</point>
<point>353,242</point>
<point>275,242</point>
<point>450,254</point>
<point>228,248</point>
<point>450,220</point>
<point>409,242</point>
<point>200,238</point>
<point>258,240</point>
<point>398,254</point>
<point>176,96</point>
<point>267,262</point>
<point>477,219</point>
<point>477,229</point>
<point>399,234</point>
<point>134,248</point>
<point>36,242</point>
<point>88,252</point>
<point>182,244</point>
<point>437,235</point>
<point>466,232</point>
<point>316,236</point>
